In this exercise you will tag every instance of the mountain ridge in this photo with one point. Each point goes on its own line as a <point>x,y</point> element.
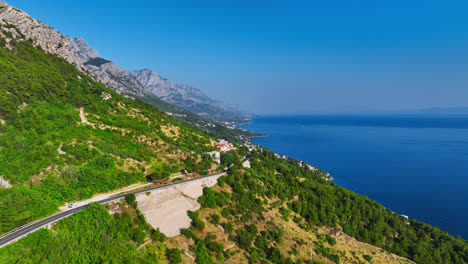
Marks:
<point>123,82</point>
<point>20,24</point>
<point>147,83</point>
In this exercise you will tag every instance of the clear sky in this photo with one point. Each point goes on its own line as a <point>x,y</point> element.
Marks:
<point>284,56</point>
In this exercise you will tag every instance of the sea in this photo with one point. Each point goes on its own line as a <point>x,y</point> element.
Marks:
<point>413,165</point>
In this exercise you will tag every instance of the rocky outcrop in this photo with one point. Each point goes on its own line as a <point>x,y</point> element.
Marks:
<point>82,49</point>
<point>116,78</point>
<point>22,26</point>
<point>109,73</point>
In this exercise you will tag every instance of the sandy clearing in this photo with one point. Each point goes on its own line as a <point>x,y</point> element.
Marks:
<point>4,183</point>
<point>167,208</point>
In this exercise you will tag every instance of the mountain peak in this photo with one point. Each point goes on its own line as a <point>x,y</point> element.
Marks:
<point>82,49</point>
<point>147,83</point>
<point>23,27</point>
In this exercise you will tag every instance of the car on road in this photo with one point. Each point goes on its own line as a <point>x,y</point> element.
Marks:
<point>72,205</point>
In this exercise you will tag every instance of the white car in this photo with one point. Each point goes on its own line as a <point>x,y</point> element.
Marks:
<point>72,205</point>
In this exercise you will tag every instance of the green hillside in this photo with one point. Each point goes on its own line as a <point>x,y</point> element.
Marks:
<point>50,156</point>
<point>302,198</point>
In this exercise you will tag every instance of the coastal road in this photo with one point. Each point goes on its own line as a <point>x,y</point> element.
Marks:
<point>20,232</point>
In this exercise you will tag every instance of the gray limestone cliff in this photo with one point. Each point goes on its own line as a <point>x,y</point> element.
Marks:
<point>21,26</point>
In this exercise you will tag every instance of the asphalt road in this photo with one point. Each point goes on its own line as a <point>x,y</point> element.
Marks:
<point>20,232</point>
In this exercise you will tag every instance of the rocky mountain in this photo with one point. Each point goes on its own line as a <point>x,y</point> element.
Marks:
<point>21,26</point>
<point>109,73</point>
<point>146,84</point>
<point>82,49</point>
<point>178,94</point>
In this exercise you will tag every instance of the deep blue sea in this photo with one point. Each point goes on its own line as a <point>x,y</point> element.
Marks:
<point>414,165</point>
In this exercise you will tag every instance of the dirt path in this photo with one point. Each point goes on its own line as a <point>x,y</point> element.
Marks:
<point>60,151</point>
<point>83,118</point>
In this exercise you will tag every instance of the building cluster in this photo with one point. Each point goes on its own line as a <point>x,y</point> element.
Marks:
<point>225,146</point>
<point>178,115</point>
<point>251,146</point>
<point>106,96</point>
<point>312,168</point>
<point>303,164</point>
<point>281,156</point>
<point>230,125</point>
<point>327,176</point>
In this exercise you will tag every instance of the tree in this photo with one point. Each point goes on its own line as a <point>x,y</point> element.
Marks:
<point>130,198</point>
<point>156,235</point>
<point>368,258</point>
<point>138,235</point>
<point>201,253</point>
<point>174,255</point>
<point>229,158</point>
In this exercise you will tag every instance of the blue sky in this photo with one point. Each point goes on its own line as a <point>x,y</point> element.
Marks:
<point>273,57</point>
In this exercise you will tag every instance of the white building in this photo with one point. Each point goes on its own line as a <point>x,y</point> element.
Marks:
<point>215,155</point>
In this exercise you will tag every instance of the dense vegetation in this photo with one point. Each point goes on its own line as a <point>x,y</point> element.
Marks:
<point>51,157</point>
<point>93,236</point>
<point>275,183</point>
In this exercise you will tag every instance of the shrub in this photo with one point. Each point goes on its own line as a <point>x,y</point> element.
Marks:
<point>130,198</point>
<point>367,257</point>
<point>174,255</point>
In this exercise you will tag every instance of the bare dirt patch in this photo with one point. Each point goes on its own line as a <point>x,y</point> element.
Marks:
<point>167,208</point>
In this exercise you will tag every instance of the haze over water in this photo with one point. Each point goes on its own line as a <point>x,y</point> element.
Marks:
<point>416,166</point>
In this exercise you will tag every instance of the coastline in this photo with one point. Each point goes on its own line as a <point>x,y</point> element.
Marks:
<point>334,148</point>
<point>259,136</point>
<point>255,134</point>
<point>301,163</point>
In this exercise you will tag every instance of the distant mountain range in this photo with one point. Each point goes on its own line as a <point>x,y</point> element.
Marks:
<point>147,83</point>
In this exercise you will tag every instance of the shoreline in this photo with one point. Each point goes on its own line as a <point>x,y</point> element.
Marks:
<point>259,136</point>
<point>353,179</point>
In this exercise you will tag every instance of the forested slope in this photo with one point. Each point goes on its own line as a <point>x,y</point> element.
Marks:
<point>250,207</point>
<point>274,212</point>
<point>50,156</point>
